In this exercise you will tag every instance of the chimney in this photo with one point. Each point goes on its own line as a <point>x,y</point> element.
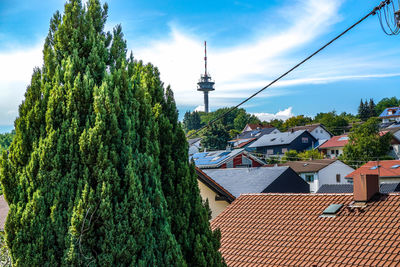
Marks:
<point>365,186</point>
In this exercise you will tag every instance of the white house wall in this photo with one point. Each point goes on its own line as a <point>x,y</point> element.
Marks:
<point>320,134</point>
<point>327,175</point>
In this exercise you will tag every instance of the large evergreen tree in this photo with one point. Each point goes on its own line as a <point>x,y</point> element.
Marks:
<point>86,177</point>
<point>188,217</point>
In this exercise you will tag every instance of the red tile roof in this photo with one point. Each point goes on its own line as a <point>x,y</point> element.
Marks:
<point>288,230</point>
<point>336,141</point>
<point>385,170</point>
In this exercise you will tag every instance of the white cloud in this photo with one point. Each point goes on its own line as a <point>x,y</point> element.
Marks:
<point>16,68</point>
<point>199,108</point>
<point>241,69</point>
<point>281,115</point>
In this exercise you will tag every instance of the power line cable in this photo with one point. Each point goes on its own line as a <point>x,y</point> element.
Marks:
<point>373,12</point>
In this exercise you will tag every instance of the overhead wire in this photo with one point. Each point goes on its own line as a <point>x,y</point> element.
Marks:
<point>373,12</point>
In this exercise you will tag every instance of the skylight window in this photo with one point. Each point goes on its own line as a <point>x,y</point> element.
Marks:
<point>273,139</point>
<point>375,167</point>
<point>332,210</point>
<point>344,138</point>
<point>395,166</point>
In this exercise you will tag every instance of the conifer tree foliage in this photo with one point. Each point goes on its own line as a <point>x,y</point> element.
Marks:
<point>189,218</point>
<point>86,178</point>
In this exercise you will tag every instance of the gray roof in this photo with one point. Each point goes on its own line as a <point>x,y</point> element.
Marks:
<point>192,141</point>
<point>245,180</point>
<point>277,139</point>
<point>385,188</point>
<point>258,133</point>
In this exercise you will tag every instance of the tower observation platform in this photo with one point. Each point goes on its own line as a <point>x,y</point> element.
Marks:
<point>205,83</point>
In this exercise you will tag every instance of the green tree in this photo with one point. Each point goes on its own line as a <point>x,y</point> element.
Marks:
<point>192,121</point>
<point>386,103</point>
<point>216,137</point>
<point>291,155</point>
<point>5,140</point>
<point>336,124</point>
<point>188,216</point>
<point>84,177</point>
<point>310,154</point>
<point>278,124</point>
<point>299,120</point>
<point>372,108</point>
<point>365,143</point>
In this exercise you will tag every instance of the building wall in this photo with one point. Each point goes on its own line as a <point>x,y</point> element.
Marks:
<point>288,182</point>
<point>330,155</point>
<point>319,133</point>
<point>216,206</point>
<point>328,174</point>
<point>314,185</point>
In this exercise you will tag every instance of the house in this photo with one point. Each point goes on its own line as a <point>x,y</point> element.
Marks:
<point>353,229</point>
<point>320,171</point>
<point>194,145</point>
<point>387,170</point>
<point>222,186</point>
<point>279,143</point>
<point>235,158</point>
<point>255,126</point>
<point>333,148</point>
<point>385,188</point>
<point>390,115</point>
<point>317,130</point>
<point>3,212</point>
<point>246,138</point>
<point>395,143</point>
<point>218,197</point>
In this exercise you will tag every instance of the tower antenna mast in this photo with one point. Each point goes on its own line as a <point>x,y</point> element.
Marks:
<point>205,83</point>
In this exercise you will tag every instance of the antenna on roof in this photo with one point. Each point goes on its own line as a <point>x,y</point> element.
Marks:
<point>205,58</point>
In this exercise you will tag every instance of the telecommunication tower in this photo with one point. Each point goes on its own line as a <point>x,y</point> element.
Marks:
<point>205,83</point>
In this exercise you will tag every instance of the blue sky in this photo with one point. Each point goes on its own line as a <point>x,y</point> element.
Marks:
<point>249,44</point>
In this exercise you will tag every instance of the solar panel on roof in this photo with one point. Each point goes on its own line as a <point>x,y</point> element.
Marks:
<point>332,209</point>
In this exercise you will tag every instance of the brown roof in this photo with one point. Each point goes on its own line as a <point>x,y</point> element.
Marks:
<point>288,230</point>
<point>387,168</point>
<point>306,166</point>
<point>3,211</point>
<point>309,128</point>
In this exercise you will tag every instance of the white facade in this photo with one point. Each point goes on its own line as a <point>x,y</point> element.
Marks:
<point>334,173</point>
<point>334,152</point>
<point>320,133</point>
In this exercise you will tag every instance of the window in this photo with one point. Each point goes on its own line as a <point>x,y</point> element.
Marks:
<point>332,151</point>
<point>270,152</point>
<point>284,150</point>
<point>309,177</point>
<point>304,140</point>
<point>337,178</point>
<point>337,152</point>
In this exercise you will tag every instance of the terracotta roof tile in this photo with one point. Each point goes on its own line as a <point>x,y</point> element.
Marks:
<point>386,169</point>
<point>287,230</point>
<point>336,141</point>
